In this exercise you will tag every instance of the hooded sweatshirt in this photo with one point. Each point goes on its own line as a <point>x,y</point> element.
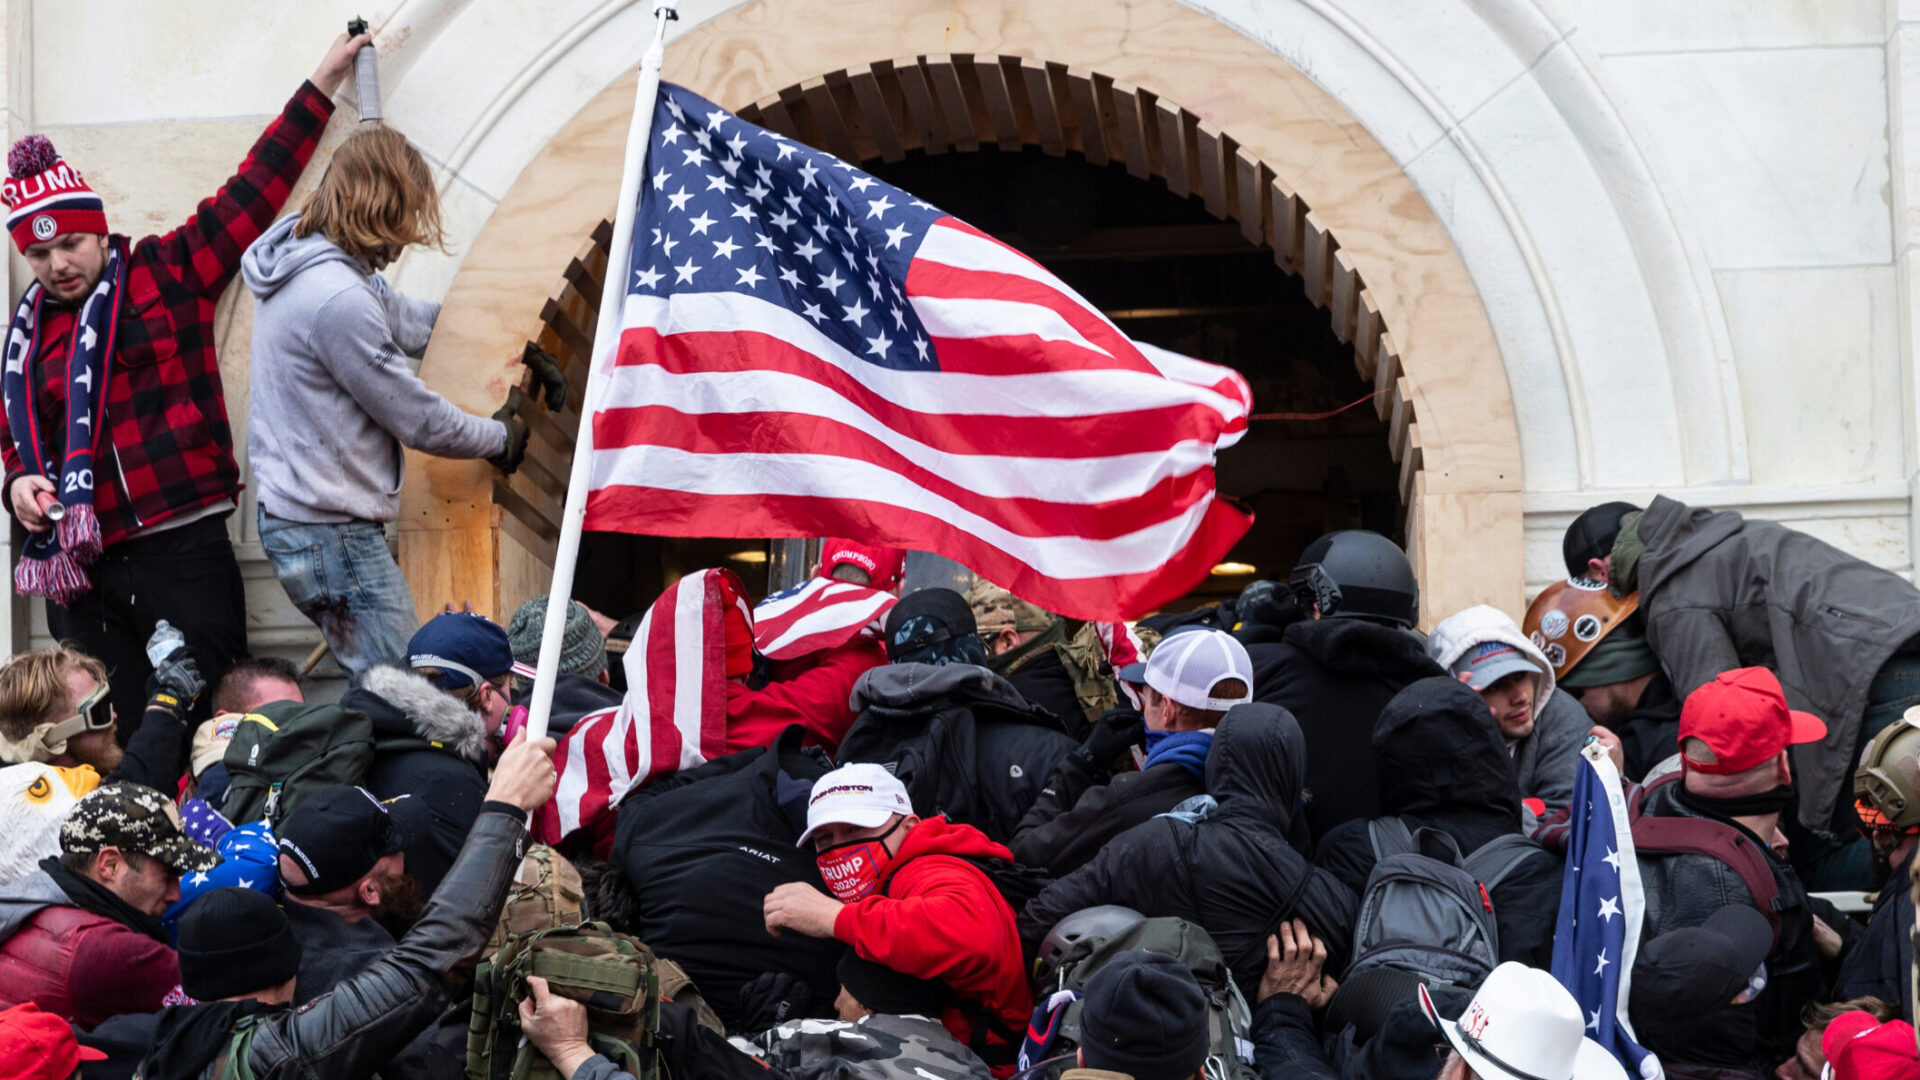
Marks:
<point>1442,764</point>
<point>1546,761</point>
<point>333,397</point>
<point>428,745</point>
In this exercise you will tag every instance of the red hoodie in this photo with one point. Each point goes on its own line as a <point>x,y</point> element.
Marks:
<point>940,918</point>
<point>817,699</point>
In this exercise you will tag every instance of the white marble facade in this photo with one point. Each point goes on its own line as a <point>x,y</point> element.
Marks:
<point>1692,224</point>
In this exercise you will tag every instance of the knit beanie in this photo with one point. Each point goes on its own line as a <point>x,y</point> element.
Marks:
<point>235,942</point>
<point>45,196</point>
<point>1144,1015</point>
<point>1616,658</point>
<point>582,650</point>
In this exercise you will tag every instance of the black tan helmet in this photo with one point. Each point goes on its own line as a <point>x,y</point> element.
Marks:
<point>1886,786</point>
<point>1570,617</point>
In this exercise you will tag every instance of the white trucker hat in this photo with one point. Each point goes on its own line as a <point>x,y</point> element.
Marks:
<point>1523,1025</point>
<point>1185,667</point>
<point>862,795</point>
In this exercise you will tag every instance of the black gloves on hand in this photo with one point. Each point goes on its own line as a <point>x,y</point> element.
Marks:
<point>547,377</point>
<point>1117,731</point>
<point>177,682</point>
<point>515,451</point>
<point>771,999</point>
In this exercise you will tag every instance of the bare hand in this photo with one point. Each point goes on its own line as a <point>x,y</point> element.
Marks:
<point>801,907</point>
<point>524,777</point>
<point>339,60</point>
<point>1611,743</point>
<point>465,608</point>
<point>26,502</point>
<point>1294,960</point>
<point>602,623</point>
<point>556,1026</point>
<point>1827,939</point>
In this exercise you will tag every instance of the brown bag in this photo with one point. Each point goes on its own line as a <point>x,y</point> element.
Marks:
<point>545,893</point>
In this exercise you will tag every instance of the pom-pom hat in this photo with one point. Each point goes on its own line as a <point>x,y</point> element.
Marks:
<point>45,196</point>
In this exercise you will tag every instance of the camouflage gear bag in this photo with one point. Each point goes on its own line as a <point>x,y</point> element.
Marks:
<point>612,974</point>
<point>545,893</point>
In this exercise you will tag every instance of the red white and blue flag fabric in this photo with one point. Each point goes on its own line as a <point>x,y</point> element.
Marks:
<point>1601,906</point>
<point>819,613</point>
<point>806,351</point>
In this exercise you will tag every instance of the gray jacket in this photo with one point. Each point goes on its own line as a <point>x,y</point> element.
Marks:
<point>333,398</point>
<point>365,1020</point>
<point>1720,592</point>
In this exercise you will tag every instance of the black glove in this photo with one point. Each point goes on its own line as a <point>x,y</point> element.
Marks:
<point>177,682</point>
<point>1117,731</point>
<point>547,376</point>
<point>510,456</point>
<point>771,999</point>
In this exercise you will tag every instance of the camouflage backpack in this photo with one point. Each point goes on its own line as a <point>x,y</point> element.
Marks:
<point>545,893</point>
<point>612,974</point>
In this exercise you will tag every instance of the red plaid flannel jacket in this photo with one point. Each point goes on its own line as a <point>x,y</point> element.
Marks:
<point>172,446</point>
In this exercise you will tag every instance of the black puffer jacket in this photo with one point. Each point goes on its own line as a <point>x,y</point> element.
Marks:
<point>703,848</point>
<point>1683,890</point>
<point>1442,764</point>
<point>1235,875</point>
<point>430,746</point>
<point>1335,675</point>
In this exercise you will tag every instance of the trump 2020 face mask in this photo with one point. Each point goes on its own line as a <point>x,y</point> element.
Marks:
<point>852,870</point>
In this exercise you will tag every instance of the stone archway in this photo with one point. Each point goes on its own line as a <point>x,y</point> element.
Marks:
<point>1177,96</point>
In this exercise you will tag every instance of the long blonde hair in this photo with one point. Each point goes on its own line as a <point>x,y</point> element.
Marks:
<point>34,684</point>
<point>376,199</point>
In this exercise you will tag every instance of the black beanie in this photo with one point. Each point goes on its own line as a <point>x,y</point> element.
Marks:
<point>885,990</point>
<point>1144,1015</point>
<point>235,942</point>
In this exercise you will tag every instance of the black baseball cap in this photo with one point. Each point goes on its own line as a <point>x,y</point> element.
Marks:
<point>339,832</point>
<point>1592,534</point>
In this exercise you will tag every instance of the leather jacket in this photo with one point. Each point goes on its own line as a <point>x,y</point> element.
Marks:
<point>367,1019</point>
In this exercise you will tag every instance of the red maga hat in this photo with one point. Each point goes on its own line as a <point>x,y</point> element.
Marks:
<point>1743,718</point>
<point>36,1045</point>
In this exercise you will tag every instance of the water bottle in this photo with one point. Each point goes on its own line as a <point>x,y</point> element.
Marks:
<point>164,642</point>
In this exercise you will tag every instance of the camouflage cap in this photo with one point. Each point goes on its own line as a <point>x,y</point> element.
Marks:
<point>996,610</point>
<point>133,818</point>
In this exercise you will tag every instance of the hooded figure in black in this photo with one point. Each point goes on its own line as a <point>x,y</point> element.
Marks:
<point>1442,764</point>
<point>1234,872</point>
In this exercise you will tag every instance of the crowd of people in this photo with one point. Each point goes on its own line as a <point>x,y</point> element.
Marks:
<point>956,835</point>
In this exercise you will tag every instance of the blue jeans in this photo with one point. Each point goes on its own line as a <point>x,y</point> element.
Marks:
<point>344,579</point>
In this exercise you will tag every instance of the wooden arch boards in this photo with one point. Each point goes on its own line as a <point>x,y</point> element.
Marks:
<point>947,102</point>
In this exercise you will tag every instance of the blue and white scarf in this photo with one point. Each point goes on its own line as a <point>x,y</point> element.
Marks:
<point>53,563</point>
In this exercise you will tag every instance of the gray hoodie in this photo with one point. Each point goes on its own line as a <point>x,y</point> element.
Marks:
<point>332,397</point>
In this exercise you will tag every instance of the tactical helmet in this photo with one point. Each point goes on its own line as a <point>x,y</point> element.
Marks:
<point>1105,920</point>
<point>1570,617</point>
<point>1888,779</point>
<point>1357,574</point>
<point>1267,603</point>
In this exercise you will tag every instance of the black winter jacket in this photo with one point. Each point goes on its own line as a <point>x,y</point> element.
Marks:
<point>1335,675</point>
<point>1650,734</point>
<point>574,696</point>
<point>353,1031</point>
<point>1235,874</point>
<point>430,746</point>
<point>1878,966</point>
<point>1076,814</point>
<point>703,848</point>
<point>1682,890</point>
<point>1441,763</point>
<point>1285,1043</point>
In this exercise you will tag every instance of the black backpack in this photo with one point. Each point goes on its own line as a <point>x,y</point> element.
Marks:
<point>979,762</point>
<point>287,750</point>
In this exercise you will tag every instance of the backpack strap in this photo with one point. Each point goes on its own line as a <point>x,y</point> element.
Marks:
<point>1493,861</point>
<point>1390,836</point>
<point>1728,845</point>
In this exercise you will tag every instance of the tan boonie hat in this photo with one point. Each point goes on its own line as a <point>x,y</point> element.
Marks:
<point>133,818</point>
<point>996,610</point>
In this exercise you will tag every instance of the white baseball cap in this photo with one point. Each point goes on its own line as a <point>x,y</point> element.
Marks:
<point>1524,1025</point>
<point>1185,667</point>
<point>862,795</point>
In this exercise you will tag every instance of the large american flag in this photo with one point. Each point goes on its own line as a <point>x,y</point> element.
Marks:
<point>807,351</point>
<point>1601,904</point>
<point>819,613</point>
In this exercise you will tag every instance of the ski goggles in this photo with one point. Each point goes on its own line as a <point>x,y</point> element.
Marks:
<point>94,713</point>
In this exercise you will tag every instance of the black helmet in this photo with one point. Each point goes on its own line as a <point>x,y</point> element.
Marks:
<point>1357,574</point>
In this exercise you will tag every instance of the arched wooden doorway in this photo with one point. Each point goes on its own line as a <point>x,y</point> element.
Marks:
<point>1218,116</point>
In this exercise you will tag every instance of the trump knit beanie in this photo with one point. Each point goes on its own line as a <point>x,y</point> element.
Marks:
<point>582,650</point>
<point>1144,1015</point>
<point>45,196</point>
<point>235,942</point>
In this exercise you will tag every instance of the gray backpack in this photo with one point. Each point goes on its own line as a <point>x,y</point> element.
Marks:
<point>1230,1021</point>
<point>1427,909</point>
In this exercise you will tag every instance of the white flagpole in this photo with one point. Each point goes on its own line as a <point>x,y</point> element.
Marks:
<point>606,338</point>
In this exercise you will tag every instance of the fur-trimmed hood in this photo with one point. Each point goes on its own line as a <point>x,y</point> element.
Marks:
<point>402,704</point>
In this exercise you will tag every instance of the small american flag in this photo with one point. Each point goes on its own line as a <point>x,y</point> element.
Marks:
<point>819,613</point>
<point>673,717</point>
<point>1601,904</point>
<point>807,351</point>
